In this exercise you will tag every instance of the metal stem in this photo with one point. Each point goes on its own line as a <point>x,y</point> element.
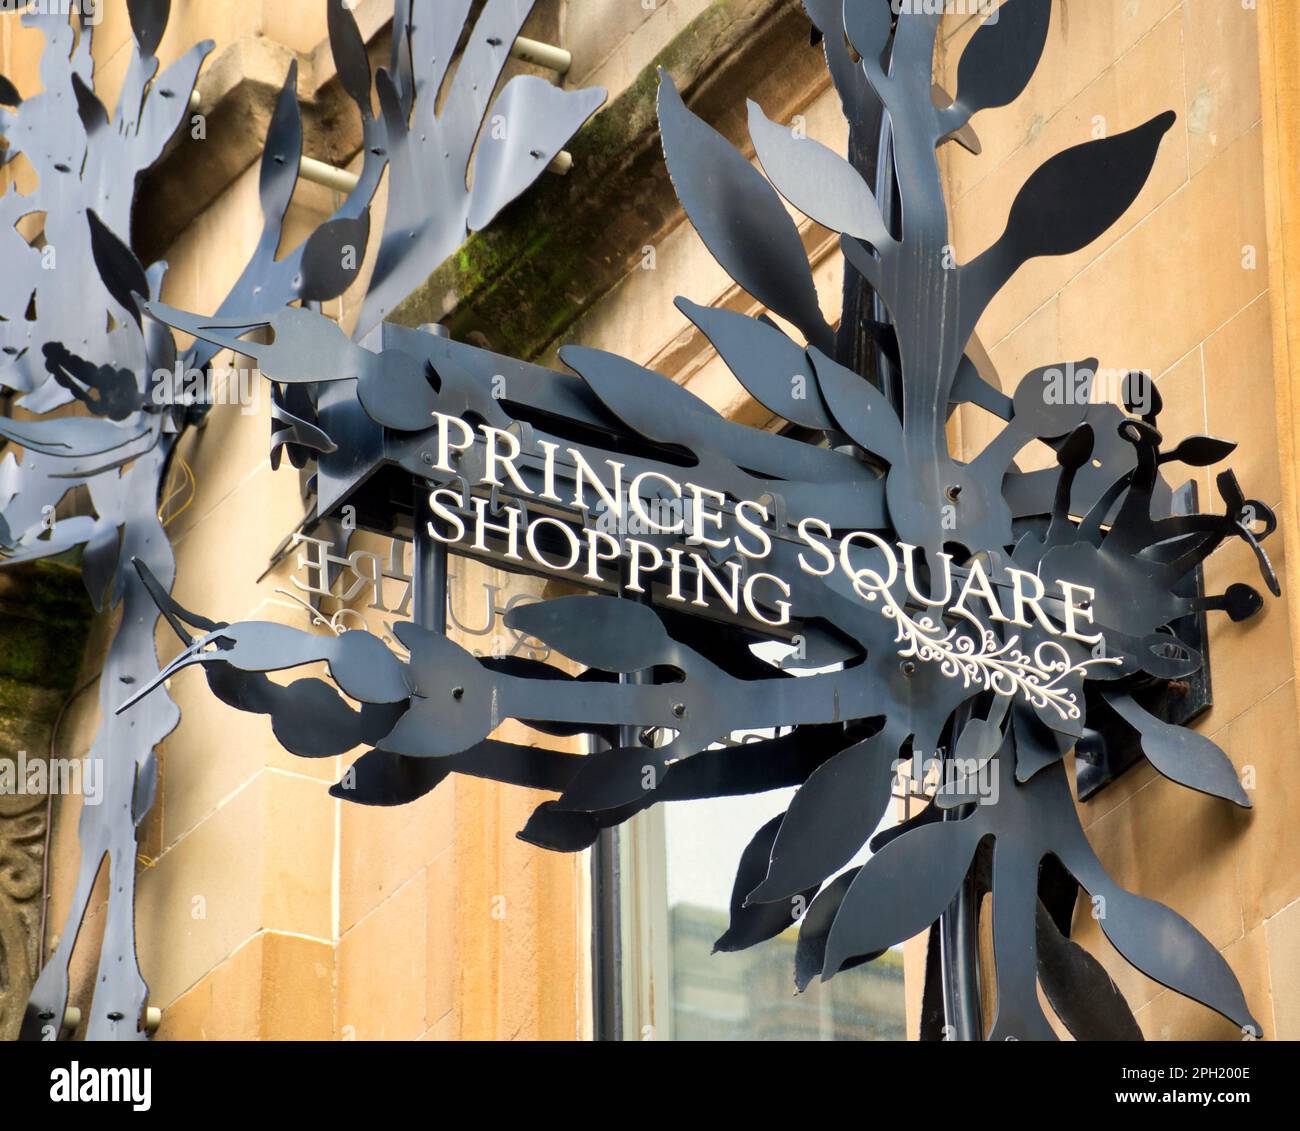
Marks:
<point>873,156</point>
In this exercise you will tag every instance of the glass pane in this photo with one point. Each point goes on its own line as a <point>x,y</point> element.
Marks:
<point>750,995</point>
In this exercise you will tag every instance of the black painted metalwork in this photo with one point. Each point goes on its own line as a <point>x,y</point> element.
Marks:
<point>70,329</point>
<point>997,706</point>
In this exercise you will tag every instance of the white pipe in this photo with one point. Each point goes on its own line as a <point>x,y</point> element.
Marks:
<point>340,180</point>
<point>529,50</point>
<point>542,54</point>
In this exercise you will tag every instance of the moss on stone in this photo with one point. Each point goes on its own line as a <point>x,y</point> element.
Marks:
<point>45,617</point>
<point>529,277</point>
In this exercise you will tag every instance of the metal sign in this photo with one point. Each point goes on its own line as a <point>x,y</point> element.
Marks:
<point>973,612</point>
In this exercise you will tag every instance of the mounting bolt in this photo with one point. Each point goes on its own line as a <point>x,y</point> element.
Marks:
<point>458,693</point>
<point>909,668</point>
<point>953,492</point>
<point>427,458</point>
<point>679,710</point>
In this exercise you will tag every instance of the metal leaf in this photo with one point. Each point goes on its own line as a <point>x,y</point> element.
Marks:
<point>148,22</point>
<point>538,119</point>
<point>856,97</point>
<point>72,436</point>
<point>739,216</point>
<point>283,151</point>
<point>817,181</point>
<point>560,830</point>
<point>89,108</point>
<point>1181,754</point>
<point>349,51</point>
<point>168,102</point>
<point>809,848</point>
<point>99,563</point>
<point>885,904</point>
<point>774,370</point>
<point>1201,451</point>
<point>754,922</point>
<point>1077,195</point>
<point>118,267</point>
<point>1078,988</point>
<point>867,24</point>
<point>810,950</point>
<point>1002,55</point>
<point>599,632</point>
<point>1167,948</point>
<point>332,257</point>
<point>641,398</point>
<point>860,408</point>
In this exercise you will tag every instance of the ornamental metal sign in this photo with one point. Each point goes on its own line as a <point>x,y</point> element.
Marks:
<point>969,611</point>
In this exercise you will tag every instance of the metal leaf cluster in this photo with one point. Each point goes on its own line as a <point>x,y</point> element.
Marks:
<point>71,330</point>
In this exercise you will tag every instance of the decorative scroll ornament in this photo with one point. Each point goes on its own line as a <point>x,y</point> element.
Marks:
<point>987,662</point>
<point>781,526</point>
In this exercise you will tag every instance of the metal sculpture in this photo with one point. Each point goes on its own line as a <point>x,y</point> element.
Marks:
<point>864,516</point>
<point>70,329</point>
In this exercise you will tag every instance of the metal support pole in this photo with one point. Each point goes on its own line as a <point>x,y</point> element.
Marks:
<point>429,568</point>
<point>959,935</point>
<point>958,956</point>
<point>429,572</point>
<point>606,938</point>
<point>607,932</point>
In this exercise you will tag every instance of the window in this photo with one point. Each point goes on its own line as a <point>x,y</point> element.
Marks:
<point>665,879</point>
